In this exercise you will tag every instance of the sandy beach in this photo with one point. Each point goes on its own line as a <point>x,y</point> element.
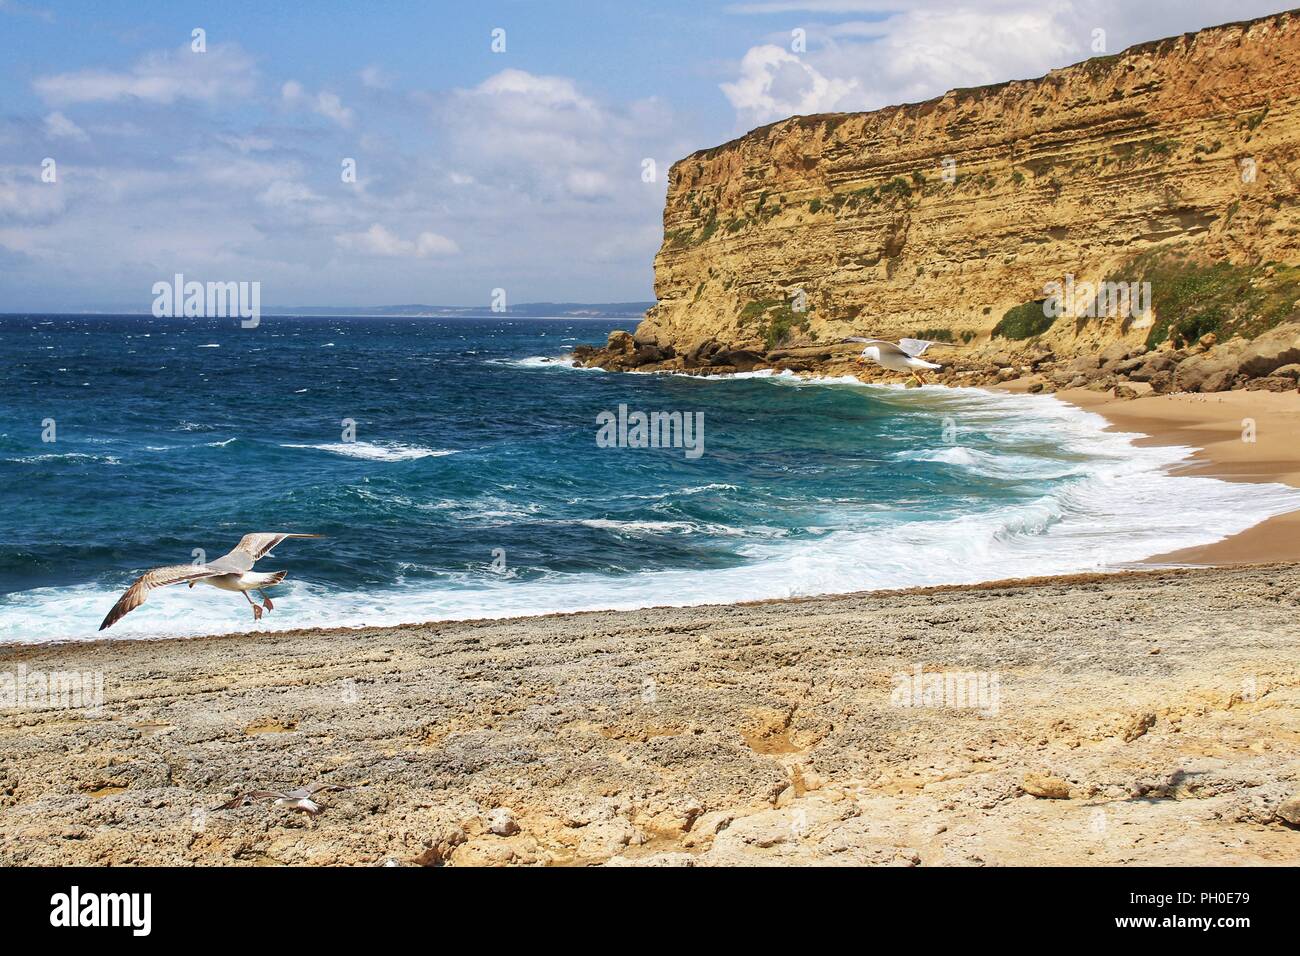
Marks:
<point>1147,717</point>
<point>1238,436</point>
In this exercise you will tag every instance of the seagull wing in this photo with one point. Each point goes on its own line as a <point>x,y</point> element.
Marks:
<point>322,788</point>
<point>251,796</point>
<point>134,596</point>
<point>253,547</point>
<point>914,347</point>
<point>886,348</point>
<point>303,793</point>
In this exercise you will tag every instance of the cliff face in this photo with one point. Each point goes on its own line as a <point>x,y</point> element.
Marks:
<point>939,217</point>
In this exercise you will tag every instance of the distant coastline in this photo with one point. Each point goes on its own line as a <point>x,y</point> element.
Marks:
<point>527,310</point>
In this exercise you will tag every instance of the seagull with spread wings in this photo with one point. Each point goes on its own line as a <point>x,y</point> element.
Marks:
<point>297,799</point>
<point>903,356</point>
<point>230,572</point>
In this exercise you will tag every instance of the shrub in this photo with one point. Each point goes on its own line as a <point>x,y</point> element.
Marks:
<point>1023,321</point>
<point>710,227</point>
<point>897,186</point>
<point>776,319</point>
<point>1190,299</point>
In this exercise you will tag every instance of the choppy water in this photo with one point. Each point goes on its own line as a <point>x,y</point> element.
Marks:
<point>474,485</point>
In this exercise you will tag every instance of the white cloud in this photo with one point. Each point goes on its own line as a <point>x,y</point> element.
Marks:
<point>925,53</point>
<point>543,136</point>
<point>58,126</point>
<point>23,10</point>
<point>283,193</point>
<point>25,198</point>
<point>589,183</point>
<point>324,103</point>
<point>375,78</point>
<point>246,144</point>
<point>225,71</point>
<point>379,241</point>
<point>901,51</point>
<point>774,83</point>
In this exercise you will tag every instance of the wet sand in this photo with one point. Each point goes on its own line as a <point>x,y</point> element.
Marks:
<point>1215,424</point>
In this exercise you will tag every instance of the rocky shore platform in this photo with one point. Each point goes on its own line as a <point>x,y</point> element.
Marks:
<point>1148,717</point>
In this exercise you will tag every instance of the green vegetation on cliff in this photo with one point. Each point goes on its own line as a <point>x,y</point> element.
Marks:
<point>1023,321</point>
<point>1191,298</point>
<point>776,319</point>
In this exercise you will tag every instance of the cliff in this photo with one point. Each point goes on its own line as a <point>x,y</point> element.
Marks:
<point>1160,164</point>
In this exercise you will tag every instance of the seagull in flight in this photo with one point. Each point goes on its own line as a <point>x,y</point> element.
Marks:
<point>903,356</point>
<point>297,799</point>
<point>230,572</point>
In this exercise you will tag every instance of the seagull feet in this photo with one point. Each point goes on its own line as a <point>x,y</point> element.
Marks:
<point>257,613</point>
<point>266,603</point>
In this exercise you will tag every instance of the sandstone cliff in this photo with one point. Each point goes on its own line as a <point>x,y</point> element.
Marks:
<point>1176,162</point>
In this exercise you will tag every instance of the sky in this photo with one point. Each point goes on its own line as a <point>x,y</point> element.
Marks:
<point>345,153</point>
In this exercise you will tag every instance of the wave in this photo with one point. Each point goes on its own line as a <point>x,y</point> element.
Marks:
<point>663,495</point>
<point>994,465</point>
<point>390,451</point>
<point>635,527</point>
<point>544,361</point>
<point>1116,504</point>
<point>64,456</point>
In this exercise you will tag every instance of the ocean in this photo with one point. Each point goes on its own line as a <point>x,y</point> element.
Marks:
<point>457,469</point>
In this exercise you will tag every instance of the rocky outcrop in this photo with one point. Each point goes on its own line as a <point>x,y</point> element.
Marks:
<point>1237,362</point>
<point>1176,163</point>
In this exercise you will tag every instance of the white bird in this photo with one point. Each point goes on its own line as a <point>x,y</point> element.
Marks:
<point>297,799</point>
<point>905,356</point>
<point>230,572</point>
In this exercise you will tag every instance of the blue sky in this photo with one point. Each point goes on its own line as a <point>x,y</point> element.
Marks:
<point>475,169</point>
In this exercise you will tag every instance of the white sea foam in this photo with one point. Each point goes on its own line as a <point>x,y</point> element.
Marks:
<point>389,451</point>
<point>545,361</point>
<point>994,465</point>
<point>65,456</point>
<point>632,527</point>
<point>1121,505</point>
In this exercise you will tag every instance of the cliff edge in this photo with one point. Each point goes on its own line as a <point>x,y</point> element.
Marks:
<point>1170,169</point>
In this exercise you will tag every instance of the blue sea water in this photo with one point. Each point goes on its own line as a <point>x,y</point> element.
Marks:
<point>474,486</point>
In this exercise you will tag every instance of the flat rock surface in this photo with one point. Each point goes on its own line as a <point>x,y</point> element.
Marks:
<point>1157,714</point>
